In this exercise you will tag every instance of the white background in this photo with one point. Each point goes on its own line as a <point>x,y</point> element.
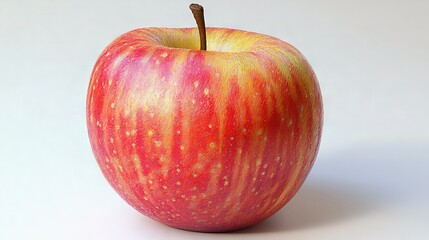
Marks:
<point>370,180</point>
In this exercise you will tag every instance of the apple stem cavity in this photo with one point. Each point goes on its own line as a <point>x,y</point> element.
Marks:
<point>198,12</point>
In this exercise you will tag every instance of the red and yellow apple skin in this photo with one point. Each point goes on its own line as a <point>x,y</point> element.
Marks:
<point>207,141</point>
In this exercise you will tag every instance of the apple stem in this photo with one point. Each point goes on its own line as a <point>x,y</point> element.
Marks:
<point>198,12</point>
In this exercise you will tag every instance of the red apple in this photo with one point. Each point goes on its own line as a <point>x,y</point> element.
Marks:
<point>209,141</point>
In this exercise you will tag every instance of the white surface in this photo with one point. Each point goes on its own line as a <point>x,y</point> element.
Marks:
<point>371,57</point>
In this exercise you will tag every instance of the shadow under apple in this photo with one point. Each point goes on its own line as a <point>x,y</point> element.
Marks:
<point>351,184</point>
<point>315,205</point>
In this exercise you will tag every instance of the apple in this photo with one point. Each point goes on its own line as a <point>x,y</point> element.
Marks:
<point>205,140</point>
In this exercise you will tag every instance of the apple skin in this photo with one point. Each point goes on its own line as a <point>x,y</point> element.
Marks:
<point>208,141</point>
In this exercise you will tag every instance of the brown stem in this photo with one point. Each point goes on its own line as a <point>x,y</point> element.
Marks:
<point>198,12</point>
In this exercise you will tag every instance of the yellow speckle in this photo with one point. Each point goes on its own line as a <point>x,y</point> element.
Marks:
<point>133,145</point>
<point>157,143</point>
<point>111,140</point>
<point>157,62</point>
<point>194,188</point>
<point>163,158</point>
<point>112,105</point>
<point>210,126</point>
<point>193,101</point>
<point>254,179</point>
<point>219,165</point>
<point>182,147</point>
<point>150,182</point>
<point>107,160</point>
<point>178,131</point>
<point>120,168</point>
<point>258,162</point>
<point>127,133</point>
<point>232,138</point>
<point>145,198</point>
<point>110,82</point>
<point>165,187</point>
<point>265,165</point>
<point>193,197</point>
<point>212,145</point>
<point>278,158</point>
<point>265,139</point>
<point>226,183</point>
<point>178,183</point>
<point>290,122</point>
<point>206,91</point>
<point>196,83</point>
<point>195,175</point>
<point>173,199</point>
<point>263,173</point>
<point>178,170</point>
<point>150,132</point>
<point>259,132</point>
<point>239,150</point>
<point>164,55</point>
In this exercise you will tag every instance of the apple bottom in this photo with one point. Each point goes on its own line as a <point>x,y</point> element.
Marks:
<point>193,211</point>
<point>238,224</point>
